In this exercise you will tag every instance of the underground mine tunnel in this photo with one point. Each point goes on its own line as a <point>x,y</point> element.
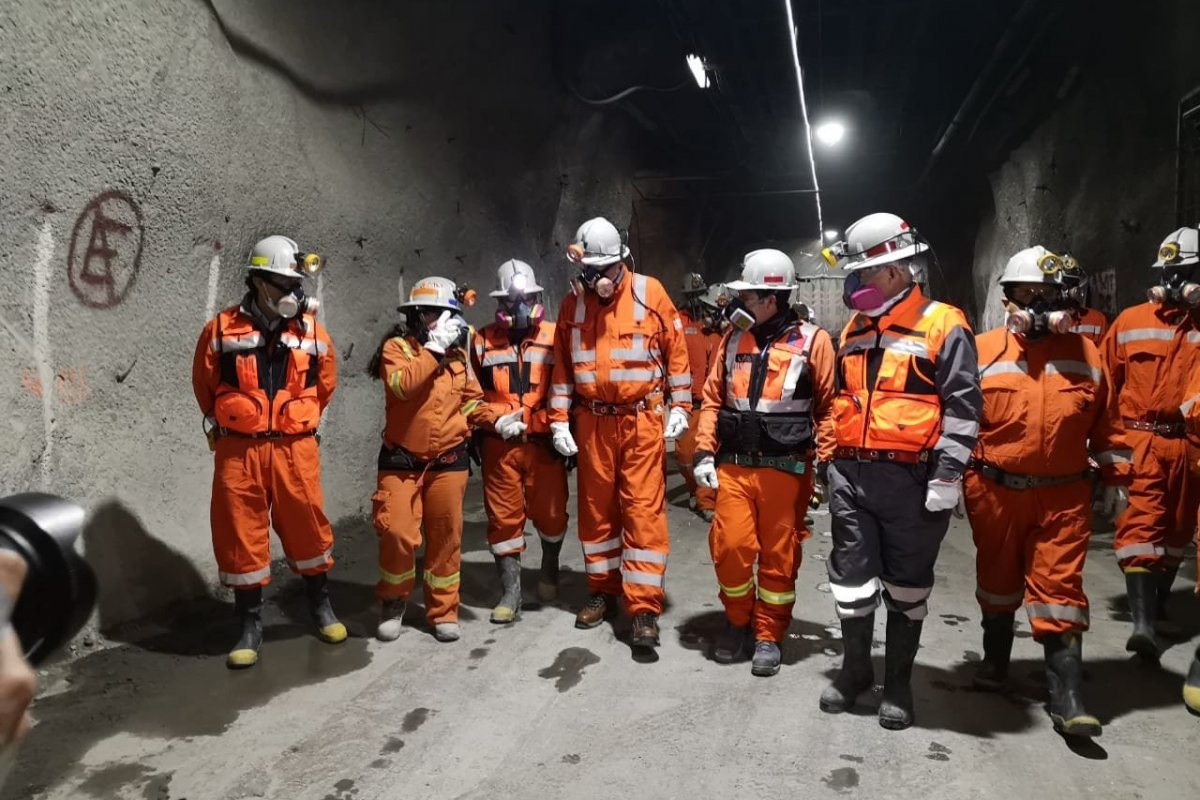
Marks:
<point>147,148</point>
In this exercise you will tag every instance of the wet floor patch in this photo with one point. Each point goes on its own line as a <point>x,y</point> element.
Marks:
<point>842,779</point>
<point>478,653</point>
<point>572,758</point>
<point>848,757</point>
<point>568,668</point>
<point>392,745</point>
<point>109,781</point>
<point>414,719</point>
<point>938,752</point>
<point>381,763</point>
<point>345,790</point>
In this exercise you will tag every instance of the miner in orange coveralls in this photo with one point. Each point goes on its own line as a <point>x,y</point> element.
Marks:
<point>1088,322</point>
<point>1046,402</point>
<point>700,321</point>
<point>264,372</point>
<point>1151,351</point>
<point>621,372</point>
<point>770,388</point>
<point>431,399</point>
<point>523,476</point>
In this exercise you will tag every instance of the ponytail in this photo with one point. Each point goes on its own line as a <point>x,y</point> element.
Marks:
<point>377,360</point>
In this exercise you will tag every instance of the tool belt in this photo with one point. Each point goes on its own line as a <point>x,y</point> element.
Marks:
<point>619,409</point>
<point>1012,480</point>
<point>264,435</point>
<point>897,456</point>
<point>1175,429</point>
<point>398,459</point>
<point>794,466</point>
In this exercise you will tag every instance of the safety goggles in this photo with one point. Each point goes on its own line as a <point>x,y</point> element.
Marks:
<point>1027,294</point>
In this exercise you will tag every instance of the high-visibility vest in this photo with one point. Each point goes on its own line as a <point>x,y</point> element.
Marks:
<point>768,395</point>
<point>268,378</point>
<point>887,396</point>
<point>517,376</point>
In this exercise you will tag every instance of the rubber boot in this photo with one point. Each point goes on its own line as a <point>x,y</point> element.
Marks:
<point>733,644</point>
<point>1064,676</point>
<point>903,638</point>
<point>1142,591</point>
<point>547,588</point>
<point>509,607</point>
<point>248,604</point>
<point>1163,624</point>
<point>1191,687</point>
<point>992,672</point>
<point>328,628</point>
<point>857,674</point>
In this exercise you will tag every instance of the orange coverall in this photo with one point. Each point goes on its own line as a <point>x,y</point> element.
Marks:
<point>1092,324</point>
<point>265,391</point>
<point>760,509</point>
<point>1151,353</point>
<point>611,363</point>
<point>701,346</point>
<point>423,471</point>
<point>522,477</point>
<point>1043,402</point>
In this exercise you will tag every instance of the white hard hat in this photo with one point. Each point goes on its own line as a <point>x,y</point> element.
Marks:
<point>877,239</point>
<point>600,242</point>
<point>715,296</point>
<point>433,293</point>
<point>694,282</point>
<point>1180,249</point>
<point>765,270</point>
<point>1033,265</point>
<point>515,277</point>
<point>280,255</point>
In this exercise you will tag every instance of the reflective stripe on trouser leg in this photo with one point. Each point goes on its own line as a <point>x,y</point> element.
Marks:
<point>297,505</point>
<point>907,600</point>
<point>443,494</point>
<point>855,601</point>
<point>238,512</point>
<point>1054,597</point>
<point>1160,521</point>
<point>599,505</point>
<point>545,491</point>
<point>780,499</point>
<point>1001,520</point>
<point>397,510</point>
<point>733,544</point>
<point>641,488</point>
<point>504,496</point>
<point>854,564</point>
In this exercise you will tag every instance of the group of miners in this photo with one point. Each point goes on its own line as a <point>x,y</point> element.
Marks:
<point>910,419</point>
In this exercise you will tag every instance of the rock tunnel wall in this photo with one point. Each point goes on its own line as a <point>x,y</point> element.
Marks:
<point>146,144</point>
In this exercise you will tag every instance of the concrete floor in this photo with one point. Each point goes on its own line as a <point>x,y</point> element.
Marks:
<point>542,710</point>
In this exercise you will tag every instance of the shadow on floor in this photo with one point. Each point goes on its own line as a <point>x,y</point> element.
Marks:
<point>802,640</point>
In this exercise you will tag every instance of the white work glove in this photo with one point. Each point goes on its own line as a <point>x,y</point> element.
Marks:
<point>444,333</point>
<point>1113,500</point>
<point>677,423</point>
<point>510,425</point>
<point>705,473</point>
<point>564,442</point>
<point>944,495</point>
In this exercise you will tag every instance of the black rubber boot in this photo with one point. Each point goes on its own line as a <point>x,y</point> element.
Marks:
<point>329,629</point>
<point>547,588</point>
<point>1191,687</point>
<point>509,607</point>
<point>992,672</point>
<point>1142,591</point>
<point>248,604</point>
<point>857,674</point>
<point>903,639</point>
<point>1163,624</point>
<point>1064,675</point>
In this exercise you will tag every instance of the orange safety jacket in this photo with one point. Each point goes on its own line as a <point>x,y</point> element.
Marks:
<point>514,376</point>
<point>765,400</point>
<point>1045,403</point>
<point>702,344</point>
<point>621,352</point>
<point>1091,323</point>
<point>908,380</point>
<point>1151,354</point>
<point>254,381</point>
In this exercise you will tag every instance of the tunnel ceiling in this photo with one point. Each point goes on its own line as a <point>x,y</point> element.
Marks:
<point>897,72</point>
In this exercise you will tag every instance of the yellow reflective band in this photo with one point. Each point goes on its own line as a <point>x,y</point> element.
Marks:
<point>737,591</point>
<point>407,348</point>
<point>434,581</point>
<point>470,406</point>
<point>396,580</point>
<point>259,261</point>
<point>394,384</point>
<point>775,598</point>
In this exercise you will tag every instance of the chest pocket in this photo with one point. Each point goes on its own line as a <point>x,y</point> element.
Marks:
<point>1071,408</point>
<point>1143,359</point>
<point>300,412</point>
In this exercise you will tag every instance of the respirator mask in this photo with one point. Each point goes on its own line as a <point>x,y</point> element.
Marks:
<point>293,303</point>
<point>1176,288</point>
<point>1038,315</point>
<point>520,312</point>
<point>738,315</point>
<point>590,277</point>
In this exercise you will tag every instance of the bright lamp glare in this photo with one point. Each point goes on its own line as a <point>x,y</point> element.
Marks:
<point>831,234</point>
<point>831,132</point>
<point>696,65</point>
